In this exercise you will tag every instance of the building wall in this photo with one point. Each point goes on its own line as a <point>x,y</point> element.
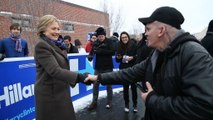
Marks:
<point>82,19</point>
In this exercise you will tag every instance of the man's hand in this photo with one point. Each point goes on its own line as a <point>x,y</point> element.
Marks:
<point>82,77</point>
<point>129,58</point>
<point>144,94</point>
<point>91,78</point>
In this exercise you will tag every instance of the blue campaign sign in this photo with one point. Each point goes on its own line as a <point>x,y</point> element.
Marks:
<point>17,80</point>
<point>17,89</point>
<point>89,35</point>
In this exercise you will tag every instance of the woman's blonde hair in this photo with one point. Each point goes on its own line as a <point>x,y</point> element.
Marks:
<point>44,22</point>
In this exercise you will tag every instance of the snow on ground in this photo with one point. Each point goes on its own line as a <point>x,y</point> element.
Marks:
<point>83,102</point>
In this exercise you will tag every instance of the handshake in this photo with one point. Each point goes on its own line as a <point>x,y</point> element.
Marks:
<point>87,78</point>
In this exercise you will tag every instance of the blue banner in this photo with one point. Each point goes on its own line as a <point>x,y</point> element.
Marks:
<point>17,80</point>
<point>17,89</point>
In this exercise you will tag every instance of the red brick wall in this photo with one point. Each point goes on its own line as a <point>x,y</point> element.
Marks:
<point>62,10</point>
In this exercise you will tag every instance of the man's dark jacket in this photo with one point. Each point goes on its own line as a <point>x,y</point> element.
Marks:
<point>73,49</point>
<point>207,42</point>
<point>103,52</point>
<point>143,51</point>
<point>182,82</point>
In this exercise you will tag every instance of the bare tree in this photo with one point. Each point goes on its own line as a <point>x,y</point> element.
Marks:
<point>138,28</point>
<point>36,9</point>
<point>116,19</point>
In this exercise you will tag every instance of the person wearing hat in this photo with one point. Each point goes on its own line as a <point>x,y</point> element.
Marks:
<point>207,41</point>
<point>178,74</point>
<point>78,44</point>
<point>115,41</point>
<point>103,51</point>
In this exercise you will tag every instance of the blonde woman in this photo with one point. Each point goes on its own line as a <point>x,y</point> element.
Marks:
<point>53,79</point>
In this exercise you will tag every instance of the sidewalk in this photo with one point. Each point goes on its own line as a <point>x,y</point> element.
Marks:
<point>115,113</point>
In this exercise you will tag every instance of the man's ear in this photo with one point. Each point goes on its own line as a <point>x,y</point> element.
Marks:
<point>162,30</point>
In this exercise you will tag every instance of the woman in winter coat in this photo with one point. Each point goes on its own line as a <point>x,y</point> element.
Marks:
<point>126,53</point>
<point>53,77</point>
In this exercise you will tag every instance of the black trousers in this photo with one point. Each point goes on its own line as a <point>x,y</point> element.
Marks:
<point>126,94</point>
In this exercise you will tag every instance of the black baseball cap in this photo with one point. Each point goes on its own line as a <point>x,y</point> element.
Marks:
<point>167,15</point>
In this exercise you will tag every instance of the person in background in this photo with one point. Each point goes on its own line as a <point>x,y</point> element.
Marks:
<point>207,41</point>
<point>103,51</point>
<point>53,77</point>
<point>126,56</point>
<point>143,51</point>
<point>178,74</point>
<point>70,47</point>
<point>89,44</point>
<point>15,45</point>
<point>78,44</point>
<point>114,40</point>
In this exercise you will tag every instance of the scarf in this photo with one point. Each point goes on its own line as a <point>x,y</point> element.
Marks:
<point>59,43</point>
<point>17,39</point>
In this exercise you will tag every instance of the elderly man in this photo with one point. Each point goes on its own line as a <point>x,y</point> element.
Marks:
<point>178,75</point>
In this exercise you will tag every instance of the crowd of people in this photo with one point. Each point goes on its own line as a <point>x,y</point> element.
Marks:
<point>176,77</point>
<point>173,68</point>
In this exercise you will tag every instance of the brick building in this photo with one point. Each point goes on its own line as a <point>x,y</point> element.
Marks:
<point>76,20</point>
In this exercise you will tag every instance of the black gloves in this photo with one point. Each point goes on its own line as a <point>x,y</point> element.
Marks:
<point>2,56</point>
<point>81,78</point>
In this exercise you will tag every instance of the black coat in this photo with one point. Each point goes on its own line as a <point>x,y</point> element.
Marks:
<point>182,83</point>
<point>143,51</point>
<point>129,51</point>
<point>207,42</point>
<point>73,49</point>
<point>103,52</point>
<point>114,41</point>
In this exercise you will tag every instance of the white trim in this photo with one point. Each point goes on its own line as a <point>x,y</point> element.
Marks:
<point>32,58</point>
<point>10,14</point>
<point>17,59</point>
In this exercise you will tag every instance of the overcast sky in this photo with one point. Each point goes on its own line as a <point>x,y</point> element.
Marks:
<point>197,13</point>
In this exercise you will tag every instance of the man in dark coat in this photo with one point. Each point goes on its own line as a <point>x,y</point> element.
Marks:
<point>114,40</point>
<point>70,47</point>
<point>178,75</point>
<point>103,51</point>
<point>143,50</point>
<point>207,41</point>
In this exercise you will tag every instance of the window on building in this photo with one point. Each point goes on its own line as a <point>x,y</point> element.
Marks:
<point>68,27</point>
<point>16,20</point>
<point>25,23</point>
